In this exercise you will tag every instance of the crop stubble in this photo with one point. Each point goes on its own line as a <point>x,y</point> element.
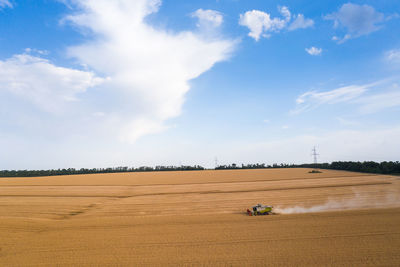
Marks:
<point>198,218</point>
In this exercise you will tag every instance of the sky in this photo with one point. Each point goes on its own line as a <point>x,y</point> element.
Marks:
<point>101,83</point>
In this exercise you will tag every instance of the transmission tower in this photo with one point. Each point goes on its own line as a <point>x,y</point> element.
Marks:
<point>216,162</point>
<point>314,154</point>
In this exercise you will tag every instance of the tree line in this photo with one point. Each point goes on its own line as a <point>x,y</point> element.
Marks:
<point>255,166</point>
<point>385,167</point>
<point>71,171</point>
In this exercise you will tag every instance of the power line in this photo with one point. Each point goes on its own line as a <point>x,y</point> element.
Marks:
<point>314,154</point>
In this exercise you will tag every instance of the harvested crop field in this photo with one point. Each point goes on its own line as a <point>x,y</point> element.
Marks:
<point>198,218</point>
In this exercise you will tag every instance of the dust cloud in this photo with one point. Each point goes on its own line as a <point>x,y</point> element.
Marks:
<point>359,201</point>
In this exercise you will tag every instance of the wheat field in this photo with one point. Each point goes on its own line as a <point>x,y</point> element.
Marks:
<point>198,218</point>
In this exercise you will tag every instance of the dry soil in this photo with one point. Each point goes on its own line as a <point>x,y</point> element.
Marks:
<point>198,218</point>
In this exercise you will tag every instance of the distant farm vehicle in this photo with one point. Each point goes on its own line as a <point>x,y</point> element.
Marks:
<point>260,210</point>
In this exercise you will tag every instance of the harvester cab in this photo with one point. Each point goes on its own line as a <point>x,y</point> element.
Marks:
<point>260,210</point>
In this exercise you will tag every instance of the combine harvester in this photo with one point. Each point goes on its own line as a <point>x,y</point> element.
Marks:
<point>260,210</point>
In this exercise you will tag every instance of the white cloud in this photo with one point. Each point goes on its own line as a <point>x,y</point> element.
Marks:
<point>36,51</point>
<point>208,18</point>
<point>341,40</point>
<point>300,23</point>
<point>312,99</point>
<point>5,3</point>
<point>393,55</point>
<point>364,97</point>
<point>314,51</point>
<point>148,72</point>
<point>341,94</point>
<point>149,69</point>
<point>285,13</point>
<point>357,19</point>
<point>47,86</point>
<point>261,24</point>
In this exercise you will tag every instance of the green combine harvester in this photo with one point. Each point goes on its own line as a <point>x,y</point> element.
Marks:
<point>260,210</point>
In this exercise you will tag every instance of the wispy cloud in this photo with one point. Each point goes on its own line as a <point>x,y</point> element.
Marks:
<point>261,24</point>
<point>378,102</point>
<point>367,98</point>
<point>5,3</point>
<point>358,20</point>
<point>313,99</point>
<point>393,55</point>
<point>36,51</point>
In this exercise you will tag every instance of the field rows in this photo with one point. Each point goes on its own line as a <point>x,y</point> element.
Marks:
<point>198,218</point>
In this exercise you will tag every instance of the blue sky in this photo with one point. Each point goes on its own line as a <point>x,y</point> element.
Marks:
<point>96,83</point>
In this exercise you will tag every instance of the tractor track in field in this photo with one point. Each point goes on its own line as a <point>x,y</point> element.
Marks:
<point>208,182</point>
<point>208,192</point>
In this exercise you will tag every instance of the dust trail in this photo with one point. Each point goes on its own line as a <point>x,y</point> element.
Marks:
<point>359,201</point>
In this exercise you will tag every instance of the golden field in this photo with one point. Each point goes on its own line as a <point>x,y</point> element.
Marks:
<point>198,218</point>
